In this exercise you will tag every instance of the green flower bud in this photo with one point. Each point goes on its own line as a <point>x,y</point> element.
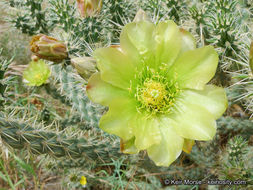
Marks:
<point>36,73</point>
<point>48,48</point>
<point>85,66</point>
<point>89,8</point>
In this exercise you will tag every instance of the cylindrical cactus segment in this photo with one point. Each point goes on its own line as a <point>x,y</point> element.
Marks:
<point>22,136</point>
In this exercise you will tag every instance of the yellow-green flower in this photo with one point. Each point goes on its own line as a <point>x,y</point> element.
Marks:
<point>155,86</point>
<point>36,73</point>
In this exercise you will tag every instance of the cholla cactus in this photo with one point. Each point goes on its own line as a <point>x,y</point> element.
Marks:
<point>166,9</point>
<point>73,88</point>
<point>235,166</point>
<point>119,13</point>
<point>4,80</point>
<point>88,33</point>
<point>32,18</point>
<point>23,136</point>
<point>62,14</point>
<point>225,26</point>
<point>218,25</point>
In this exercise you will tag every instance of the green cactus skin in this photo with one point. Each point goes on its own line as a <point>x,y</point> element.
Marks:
<point>22,136</point>
<point>74,89</point>
<point>33,19</point>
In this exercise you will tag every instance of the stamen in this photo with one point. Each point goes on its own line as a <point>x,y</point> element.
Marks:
<point>154,92</point>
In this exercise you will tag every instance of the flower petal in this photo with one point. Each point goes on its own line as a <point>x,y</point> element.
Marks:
<point>188,144</point>
<point>188,41</point>
<point>128,146</point>
<point>146,131</point>
<point>102,92</point>
<point>170,147</point>
<point>193,121</point>
<point>137,41</point>
<point>212,98</point>
<point>168,42</point>
<point>194,68</point>
<point>116,120</point>
<point>115,67</point>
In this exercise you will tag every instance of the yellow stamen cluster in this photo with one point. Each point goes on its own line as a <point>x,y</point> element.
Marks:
<point>38,76</point>
<point>154,92</point>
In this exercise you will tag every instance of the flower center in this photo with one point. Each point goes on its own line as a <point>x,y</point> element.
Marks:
<point>37,76</point>
<point>154,92</point>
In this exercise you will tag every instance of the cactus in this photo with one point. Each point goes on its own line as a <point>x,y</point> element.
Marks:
<point>229,126</point>
<point>73,87</point>
<point>218,25</point>
<point>199,15</point>
<point>51,90</point>
<point>119,13</point>
<point>62,13</point>
<point>4,81</point>
<point>225,27</point>
<point>88,33</point>
<point>234,166</point>
<point>22,136</point>
<point>166,9</point>
<point>32,19</point>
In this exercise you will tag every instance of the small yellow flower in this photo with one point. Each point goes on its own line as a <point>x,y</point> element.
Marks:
<point>36,73</point>
<point>83,181</point>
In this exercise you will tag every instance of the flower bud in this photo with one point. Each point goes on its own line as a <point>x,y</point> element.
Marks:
<point>251,57</point>
<point>89,8</point>
<point>85,66</point>
<point>48,48</point>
